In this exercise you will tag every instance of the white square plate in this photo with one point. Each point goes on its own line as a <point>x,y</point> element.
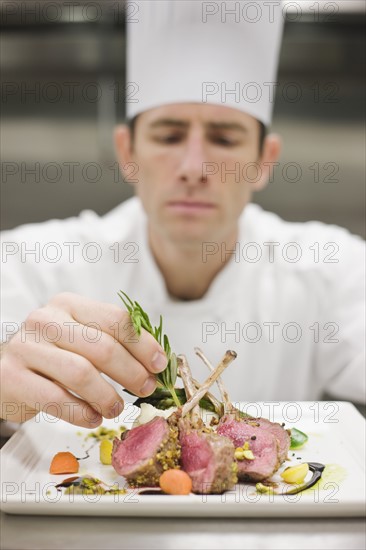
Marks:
<point>336,438</point>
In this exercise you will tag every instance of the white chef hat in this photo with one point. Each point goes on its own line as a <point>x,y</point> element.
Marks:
<point>221,52</point>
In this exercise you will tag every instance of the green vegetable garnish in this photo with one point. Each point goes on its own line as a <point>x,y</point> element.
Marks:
<point>264,489</point>
<point>105,433</point>
<point>140,319</point>
<point>88,485</point>
<point>298,439</point>
<point>162,399</point>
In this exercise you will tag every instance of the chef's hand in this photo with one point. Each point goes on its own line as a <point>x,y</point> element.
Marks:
<point>64,347</point>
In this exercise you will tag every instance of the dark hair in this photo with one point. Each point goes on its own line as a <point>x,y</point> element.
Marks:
<point>262,131</point>
<point>262,136</point>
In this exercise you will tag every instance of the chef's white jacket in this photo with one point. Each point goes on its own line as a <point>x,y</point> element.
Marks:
<point>290,301</point>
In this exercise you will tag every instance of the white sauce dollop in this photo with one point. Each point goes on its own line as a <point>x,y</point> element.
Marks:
<point>148,412</point>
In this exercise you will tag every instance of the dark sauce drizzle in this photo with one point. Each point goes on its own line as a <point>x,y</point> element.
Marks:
<point>87,455</point>
<point>75,481</point>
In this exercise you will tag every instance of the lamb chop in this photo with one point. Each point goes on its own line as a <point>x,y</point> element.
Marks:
<point>206,456</point>
<point>261,445</point>
<point>144,452</point>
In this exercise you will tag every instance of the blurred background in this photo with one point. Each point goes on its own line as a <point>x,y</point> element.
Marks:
<point>63,90</point>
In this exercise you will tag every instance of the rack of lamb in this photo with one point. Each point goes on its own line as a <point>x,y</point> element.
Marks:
<point>215,455</point>
<point>180,441</point>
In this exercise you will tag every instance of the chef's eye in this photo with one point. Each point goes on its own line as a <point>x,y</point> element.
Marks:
<point>224,141</point>
<point>169,138</point>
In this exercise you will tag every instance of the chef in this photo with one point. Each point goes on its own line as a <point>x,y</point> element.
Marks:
<point>222,272</point>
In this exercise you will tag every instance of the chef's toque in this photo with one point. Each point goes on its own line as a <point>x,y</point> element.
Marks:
<point>220,52</point>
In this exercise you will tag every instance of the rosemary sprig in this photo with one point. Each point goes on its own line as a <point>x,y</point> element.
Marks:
<point>140,319</point>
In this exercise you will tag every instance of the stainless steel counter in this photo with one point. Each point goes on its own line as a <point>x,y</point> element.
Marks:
<point>40,532</point>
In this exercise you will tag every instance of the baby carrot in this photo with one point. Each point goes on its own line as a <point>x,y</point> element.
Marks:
<point>175,482</point>
<point>64,463</point>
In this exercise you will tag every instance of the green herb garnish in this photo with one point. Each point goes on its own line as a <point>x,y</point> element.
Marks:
<point>140,319</point>
<point>298,439</point>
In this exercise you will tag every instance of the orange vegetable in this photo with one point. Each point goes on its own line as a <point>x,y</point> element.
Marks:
<point>175,482</point>
<point>64,463</point>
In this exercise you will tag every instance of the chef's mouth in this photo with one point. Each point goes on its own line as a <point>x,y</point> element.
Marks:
<point>185,204</point>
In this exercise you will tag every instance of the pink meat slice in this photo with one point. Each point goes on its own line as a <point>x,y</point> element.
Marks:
<point>208,459</point>
<point>262,443</point>
<point>280,434</point>
<point>139,446</point>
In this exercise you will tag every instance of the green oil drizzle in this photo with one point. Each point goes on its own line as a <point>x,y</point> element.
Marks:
<point>332,473</point>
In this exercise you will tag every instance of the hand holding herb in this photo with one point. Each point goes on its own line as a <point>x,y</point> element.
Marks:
<point>166,394</point>
<point>72,373</point>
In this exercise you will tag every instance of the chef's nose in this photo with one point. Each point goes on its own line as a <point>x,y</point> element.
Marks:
<point>192,167</point>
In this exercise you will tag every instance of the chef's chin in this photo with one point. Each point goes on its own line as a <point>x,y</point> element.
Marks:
<point>190,231</point>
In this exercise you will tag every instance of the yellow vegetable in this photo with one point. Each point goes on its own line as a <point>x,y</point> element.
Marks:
<point>241,453</point>
<point>105,451</point>
<point>295,474</point>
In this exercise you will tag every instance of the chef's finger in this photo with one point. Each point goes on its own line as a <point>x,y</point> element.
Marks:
<point>101,349</point>
<point>116,322</point>
<point>76,373</point>
<point>36,393</point>
<point>109,357</point>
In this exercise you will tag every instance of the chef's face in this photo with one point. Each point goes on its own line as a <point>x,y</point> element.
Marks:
<point>198,166</point>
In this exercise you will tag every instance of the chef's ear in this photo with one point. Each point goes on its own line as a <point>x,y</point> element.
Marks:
<point>123,148</point>
<point>271,151</point>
